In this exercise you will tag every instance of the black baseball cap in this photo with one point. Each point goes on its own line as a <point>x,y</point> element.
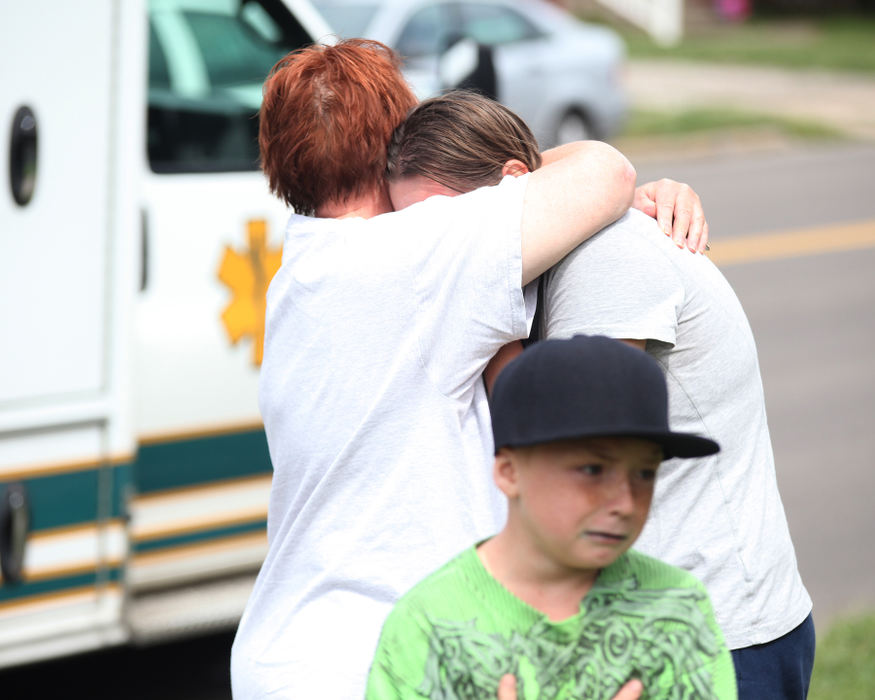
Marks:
<point>582,387</point>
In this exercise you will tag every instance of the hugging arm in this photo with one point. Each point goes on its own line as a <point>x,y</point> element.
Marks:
<point>499,361</point>
<point>581,188</point>
<point>676,207</point>
<point>664,200</point>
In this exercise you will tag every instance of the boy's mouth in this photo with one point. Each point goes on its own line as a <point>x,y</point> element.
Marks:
<point>608,537</point>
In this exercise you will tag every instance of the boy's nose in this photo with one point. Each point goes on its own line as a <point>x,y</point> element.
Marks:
<point>622,500</point>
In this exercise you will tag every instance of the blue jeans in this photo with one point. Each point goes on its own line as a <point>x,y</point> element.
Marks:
<point>777,670</point>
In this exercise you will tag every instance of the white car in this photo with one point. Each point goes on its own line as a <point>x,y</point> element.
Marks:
<point>560,75</point>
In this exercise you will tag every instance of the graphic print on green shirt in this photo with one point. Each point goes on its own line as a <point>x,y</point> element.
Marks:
<point>457,632</point>
<point>657,636</point>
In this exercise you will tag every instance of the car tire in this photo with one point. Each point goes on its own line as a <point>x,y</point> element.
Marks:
<point>573,126</point>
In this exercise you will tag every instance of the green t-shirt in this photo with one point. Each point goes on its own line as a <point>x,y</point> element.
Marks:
<point>458,631</point>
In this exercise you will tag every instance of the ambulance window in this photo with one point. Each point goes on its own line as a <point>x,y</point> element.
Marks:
<point>207,62</point>
<point>232,53</point>
<point>159,75</point>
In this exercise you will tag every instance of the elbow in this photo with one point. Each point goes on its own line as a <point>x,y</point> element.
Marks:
<point>629,181</point>
<point>625,177</point>
<point>619,180</point>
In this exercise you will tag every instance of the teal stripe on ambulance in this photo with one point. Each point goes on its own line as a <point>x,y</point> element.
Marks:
<point>194,461</point>
<point>58,500</point>
<point>27,589</point>
<point>200,536</point>
<point>67,499</point>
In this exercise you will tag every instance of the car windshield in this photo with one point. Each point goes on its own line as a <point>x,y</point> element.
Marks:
<point>494,24</point>
<point>348,20</point>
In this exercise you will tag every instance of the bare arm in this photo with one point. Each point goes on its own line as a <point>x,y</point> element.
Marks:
<point>634,342</point>
<point>498,362</point>
<point>580,189</point>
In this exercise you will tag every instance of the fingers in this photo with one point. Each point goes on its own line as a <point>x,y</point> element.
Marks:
<point>631,691</point>
<point>665,217</point>
<point>697,233</point>
<point>658,199</point>
<point>684,204</point>
<point>644,201</point>
<point>680,215</point>
<point>703,239</point>
<point>507,688</point>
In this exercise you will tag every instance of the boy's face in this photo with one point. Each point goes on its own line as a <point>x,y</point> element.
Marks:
<point>581,503</point>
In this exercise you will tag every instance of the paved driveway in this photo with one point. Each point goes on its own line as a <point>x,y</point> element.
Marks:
<point>842,100</point>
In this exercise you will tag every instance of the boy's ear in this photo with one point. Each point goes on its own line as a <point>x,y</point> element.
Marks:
<point>504,472</point>
<point>514,167</point>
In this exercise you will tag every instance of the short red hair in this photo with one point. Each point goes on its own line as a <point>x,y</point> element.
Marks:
<point>327,116</point>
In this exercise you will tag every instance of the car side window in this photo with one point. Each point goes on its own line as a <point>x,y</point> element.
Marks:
<point>426,33</point>
<point>494,25</point>
<point>207,63</point>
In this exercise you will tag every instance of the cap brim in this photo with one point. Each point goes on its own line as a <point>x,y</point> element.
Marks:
<point>682,445</point>
<point>692,446</point>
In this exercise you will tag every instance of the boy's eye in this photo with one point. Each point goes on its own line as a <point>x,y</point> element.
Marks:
<point>590,469</point>
<point>647,474</point>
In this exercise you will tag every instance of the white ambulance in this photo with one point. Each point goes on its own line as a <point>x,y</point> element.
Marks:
<point>137,239</point>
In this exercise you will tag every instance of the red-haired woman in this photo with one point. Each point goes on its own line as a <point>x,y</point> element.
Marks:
<point>379,325</point>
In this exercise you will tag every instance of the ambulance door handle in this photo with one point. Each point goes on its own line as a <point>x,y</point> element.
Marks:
<point>14,525</point>
<point>23,156</point>
<point>144,250</point>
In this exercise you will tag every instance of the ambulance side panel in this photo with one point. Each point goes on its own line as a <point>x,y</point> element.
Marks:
<point>212,240</point>
<point>72,80</point>
<point>134,471</point>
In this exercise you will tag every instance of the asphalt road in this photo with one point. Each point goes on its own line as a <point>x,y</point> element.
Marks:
<point>811,311</point>
<point>813,315</point>
<point>781,189</point>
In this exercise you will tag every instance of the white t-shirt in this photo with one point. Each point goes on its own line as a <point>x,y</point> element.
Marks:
<point>719,517</point>
<point>378,331</point>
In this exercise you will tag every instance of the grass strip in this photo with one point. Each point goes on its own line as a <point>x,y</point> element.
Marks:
<point>844,666</point>
<point>687,121</point>
<point>842,43</point>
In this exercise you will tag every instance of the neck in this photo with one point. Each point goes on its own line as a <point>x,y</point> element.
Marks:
<point>547,586</point>
<point>364,206</point>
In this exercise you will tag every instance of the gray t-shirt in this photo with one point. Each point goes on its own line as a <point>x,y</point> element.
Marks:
<point>719,517</point>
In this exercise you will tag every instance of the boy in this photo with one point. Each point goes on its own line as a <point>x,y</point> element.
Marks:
<point>556,598</point>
